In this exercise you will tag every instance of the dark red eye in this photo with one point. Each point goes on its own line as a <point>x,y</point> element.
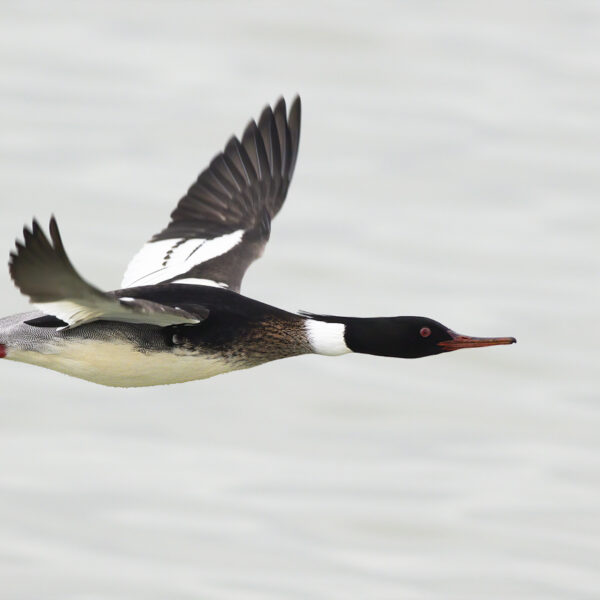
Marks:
<point>425,332</point>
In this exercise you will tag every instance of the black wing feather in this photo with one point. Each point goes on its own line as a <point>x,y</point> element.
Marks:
<point>41,269</point>
<point>243,188</point>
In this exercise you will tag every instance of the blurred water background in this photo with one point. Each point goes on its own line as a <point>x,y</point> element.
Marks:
<point>449,167</point>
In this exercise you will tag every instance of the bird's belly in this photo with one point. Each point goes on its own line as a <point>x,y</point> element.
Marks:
<point>123,365</point>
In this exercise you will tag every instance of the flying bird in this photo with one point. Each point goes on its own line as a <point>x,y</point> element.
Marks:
<point>179,314</point>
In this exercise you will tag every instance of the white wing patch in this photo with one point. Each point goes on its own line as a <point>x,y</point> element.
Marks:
<point>128,310</point>
<point>159,261</point>
<point>198,281</point>
<point>70,312</point>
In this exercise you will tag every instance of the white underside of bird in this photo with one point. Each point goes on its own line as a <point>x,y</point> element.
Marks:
<point>120,364</point>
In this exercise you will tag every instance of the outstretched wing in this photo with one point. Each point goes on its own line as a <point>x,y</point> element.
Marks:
<point>223,222</point>
<point>43,271</point>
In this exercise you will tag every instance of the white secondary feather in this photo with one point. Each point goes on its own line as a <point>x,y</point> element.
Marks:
<point>165,259</point>
<point>326,338</point>
<point>76,313</point>
<point>70,312</point>
<point>197,281</point>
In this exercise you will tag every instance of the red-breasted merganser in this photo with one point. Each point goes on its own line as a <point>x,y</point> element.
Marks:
<point>179,314</point>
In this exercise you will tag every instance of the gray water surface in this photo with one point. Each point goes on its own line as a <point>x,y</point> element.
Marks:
<point>448,167</point>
